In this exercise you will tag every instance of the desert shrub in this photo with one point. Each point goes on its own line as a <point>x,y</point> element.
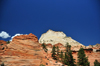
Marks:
<point>42,65</point>
<point>8,42</point>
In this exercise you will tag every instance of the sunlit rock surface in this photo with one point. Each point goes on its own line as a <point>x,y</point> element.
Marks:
<point>54,37</point>
<point>24,50</point>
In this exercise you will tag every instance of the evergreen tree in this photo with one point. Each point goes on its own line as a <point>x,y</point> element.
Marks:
<point>96,63</point>
<point>71,61</point>
<point>57,53</point>
<point>54,53</point>
<point>68,47</point>
<point>57,50</point>
<point>44,47</point>
<point>66,59</point>
<point>61,56</point>
<point>82,59</point>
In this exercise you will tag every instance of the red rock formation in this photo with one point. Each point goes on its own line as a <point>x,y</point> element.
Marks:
<point>49,45</point>
<point>92,56</point>
<point>59,45</point>
<point>25,50</point>
<point>2,42</point>
<point>26,37</point>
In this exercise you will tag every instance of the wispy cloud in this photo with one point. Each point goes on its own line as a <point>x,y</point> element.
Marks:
<point>4,35</point>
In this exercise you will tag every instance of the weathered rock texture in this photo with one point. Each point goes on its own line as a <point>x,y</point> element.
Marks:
<point>26,37</point>
<point>24,50</point>
<point>55,37</point>
<point>2,42</point>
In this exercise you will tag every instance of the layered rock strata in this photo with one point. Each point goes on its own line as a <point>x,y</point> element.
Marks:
<point>24,50</point>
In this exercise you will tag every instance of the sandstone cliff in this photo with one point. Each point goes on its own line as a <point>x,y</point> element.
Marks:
<point>24,50</point>
<point>55,37</point>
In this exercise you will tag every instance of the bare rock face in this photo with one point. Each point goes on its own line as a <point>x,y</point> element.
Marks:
<point>26,37</point>
<point>55,37</point>
<point>24,50</point>
<point>2,42</point>
<point>59,45</point>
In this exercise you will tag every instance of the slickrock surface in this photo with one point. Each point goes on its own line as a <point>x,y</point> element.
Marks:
<point>26,37</point>
<point>2,42</point>
<point>54,37</point>
<point>25,51</point>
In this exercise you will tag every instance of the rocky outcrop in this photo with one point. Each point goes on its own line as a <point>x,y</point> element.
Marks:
<point>59,45</point>
<point>24,50</point>
<point>31,37</point>
<point>2,42</point>
<point>55,37</point>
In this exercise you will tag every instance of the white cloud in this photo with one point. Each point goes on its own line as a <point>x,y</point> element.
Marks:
<point>4,35</point>
<point>15,35</point>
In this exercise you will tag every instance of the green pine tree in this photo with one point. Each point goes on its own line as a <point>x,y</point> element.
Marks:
<point>71,61</point>
<point>61,56</point>
<point>57,50</point>
<point>57,53</point>
<point>82,59</point>
<point>66,59</point>
<point>44,47</point>
<point>54,53</point>
<point>68,47</point>
<point>96,63</point>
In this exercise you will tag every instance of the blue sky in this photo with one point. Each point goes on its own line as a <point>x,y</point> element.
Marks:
<point>79,19</point>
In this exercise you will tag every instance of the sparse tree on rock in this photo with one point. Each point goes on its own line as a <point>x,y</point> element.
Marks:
<point>96,63</point>
<point>57,50</point>
<point>66,59</point>
<point>61,56</point>
<point>57,53</point>
<point>8,42</point>
<point>71,61</point>
<point>68,47</point>
<point>82,59</point>
<point>54,53</point>
<point>44,47</point>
